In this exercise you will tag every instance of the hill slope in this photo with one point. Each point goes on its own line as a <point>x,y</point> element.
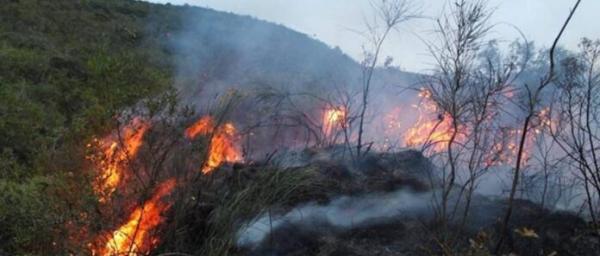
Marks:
<point>69,67</point>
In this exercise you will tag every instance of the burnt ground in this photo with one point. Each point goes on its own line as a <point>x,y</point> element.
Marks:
<point>557,234</point>
<point>554,233</point>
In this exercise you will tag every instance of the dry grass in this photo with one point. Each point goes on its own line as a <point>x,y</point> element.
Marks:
<point>269,189</point>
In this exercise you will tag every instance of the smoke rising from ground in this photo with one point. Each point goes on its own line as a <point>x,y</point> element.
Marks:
<point>345,212</point>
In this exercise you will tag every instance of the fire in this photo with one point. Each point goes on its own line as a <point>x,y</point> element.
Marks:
<point>333,118</point>
<point>393,124</point>
<point>544,121</point>
<point>117,150</point>
<point>505,152</point>
<point>202,127</point>
<point>222,146</point>
<point>393,121</point>
<point>431,132</point>
<point>435,132</point>
<point>135,236</point>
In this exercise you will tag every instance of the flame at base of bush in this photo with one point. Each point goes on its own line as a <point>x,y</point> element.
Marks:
<point>117,151</point>
<point>135,236</point>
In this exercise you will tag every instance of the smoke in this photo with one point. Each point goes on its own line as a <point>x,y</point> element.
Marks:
<point>286,81</point>
<point>342,213</point>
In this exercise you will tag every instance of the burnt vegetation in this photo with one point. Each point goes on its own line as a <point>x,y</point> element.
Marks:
<point>132,128</point>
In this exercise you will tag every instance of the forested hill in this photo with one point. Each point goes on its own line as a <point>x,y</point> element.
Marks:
<point>68,67</point>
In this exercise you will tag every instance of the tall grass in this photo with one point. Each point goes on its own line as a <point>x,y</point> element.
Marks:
<point>270,189</point>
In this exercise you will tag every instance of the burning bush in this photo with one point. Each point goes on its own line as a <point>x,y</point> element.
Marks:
<point>223,145</point>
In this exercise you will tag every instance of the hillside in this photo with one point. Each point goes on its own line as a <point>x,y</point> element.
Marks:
<point>133,128</point>
<point>104,55</point>
<point>70,67</point>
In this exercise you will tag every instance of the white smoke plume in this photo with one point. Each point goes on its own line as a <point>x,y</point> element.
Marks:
<point>345,212</point>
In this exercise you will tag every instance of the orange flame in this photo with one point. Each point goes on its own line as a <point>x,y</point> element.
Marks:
<point>333,118</point>
<point>434,132</point>
<point>505,152</point>
<point>201,127</point>
<point>135,236</point>
<point>222,146</point>
<point>117,151</point>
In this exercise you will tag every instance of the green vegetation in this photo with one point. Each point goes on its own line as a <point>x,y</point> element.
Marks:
<point>67,68</point>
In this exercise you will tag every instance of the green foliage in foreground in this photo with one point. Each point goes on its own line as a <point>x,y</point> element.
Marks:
<point>66,69</point>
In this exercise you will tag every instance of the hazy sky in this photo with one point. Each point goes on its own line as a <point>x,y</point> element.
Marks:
<point>335,22</point>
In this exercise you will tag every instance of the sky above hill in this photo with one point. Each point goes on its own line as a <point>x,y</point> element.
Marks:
<point>338,23</point>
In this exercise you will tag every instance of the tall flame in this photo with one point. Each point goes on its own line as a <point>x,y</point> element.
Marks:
<point>135,236</point>
<point>203,126</point>
<point>436,132</point>
<point>117,150</point>
<point>222,146</point>
<point>333,118</point>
